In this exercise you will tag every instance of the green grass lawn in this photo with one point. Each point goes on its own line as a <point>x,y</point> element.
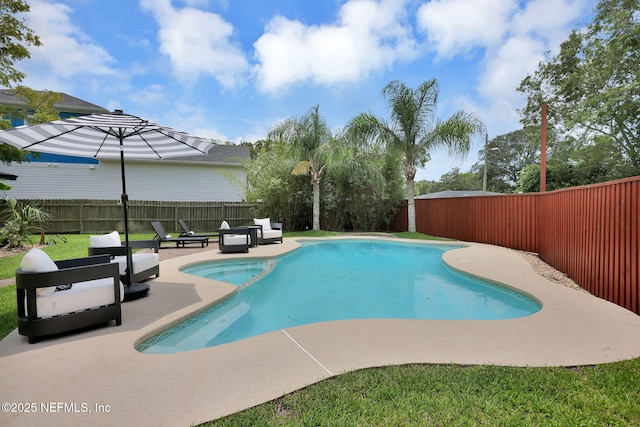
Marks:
<point>423,395</point>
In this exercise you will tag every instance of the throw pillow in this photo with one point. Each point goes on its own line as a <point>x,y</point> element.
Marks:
<point>37,261</point>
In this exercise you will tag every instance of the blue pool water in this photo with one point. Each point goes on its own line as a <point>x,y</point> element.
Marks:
<point>237,272</point>
<point>338,280</point>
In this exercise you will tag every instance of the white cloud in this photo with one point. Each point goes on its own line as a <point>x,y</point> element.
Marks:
<point>208,133</point>
<point>66,51</point>
<point>548,19</point>
<point>512,36</point>
<point>368,36</point>
<point>197,42</point>
<point>457,26</point>
<point>508,65</point>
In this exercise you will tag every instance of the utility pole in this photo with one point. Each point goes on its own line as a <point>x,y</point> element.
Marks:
<point>543,150</point>
<point>486,152</point>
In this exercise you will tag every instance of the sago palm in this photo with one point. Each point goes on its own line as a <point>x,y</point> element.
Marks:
<point>414,131</point>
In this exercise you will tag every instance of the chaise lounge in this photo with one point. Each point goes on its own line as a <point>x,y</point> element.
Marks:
<point>187,232</point>
<point>162,237</point>
<point>55,297</point>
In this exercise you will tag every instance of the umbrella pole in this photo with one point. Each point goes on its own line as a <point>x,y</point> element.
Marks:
<point>131,290</point>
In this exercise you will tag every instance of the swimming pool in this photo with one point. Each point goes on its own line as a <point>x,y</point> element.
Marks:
<point>340,280</point>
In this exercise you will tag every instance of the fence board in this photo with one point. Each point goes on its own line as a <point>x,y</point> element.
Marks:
<point>103,216</point>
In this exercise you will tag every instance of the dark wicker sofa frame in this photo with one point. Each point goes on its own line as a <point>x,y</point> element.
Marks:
<point>114,251</point>
<point>274,226</point>
<point>70,271</point>
<point>233,248</point>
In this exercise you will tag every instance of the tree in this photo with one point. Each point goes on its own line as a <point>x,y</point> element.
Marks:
<point>310,137</point>
<point>277,193</point>
<point>364,186</point>
<point>41,105</point>
<point>414,131</point>
<point>507,155</point>
<point>20,222</point>
<point>592,85</point>
<point>15,36</point>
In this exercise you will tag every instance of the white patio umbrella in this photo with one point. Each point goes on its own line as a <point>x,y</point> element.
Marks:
<point>108,136</point>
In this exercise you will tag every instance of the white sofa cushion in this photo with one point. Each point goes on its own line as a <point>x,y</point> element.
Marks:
<point>105,240</point>
<point>224,225</point>
<point>81,296</point>
<point>37,261</point>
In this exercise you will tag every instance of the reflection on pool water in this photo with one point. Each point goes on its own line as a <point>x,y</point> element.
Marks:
<point>339,280</point>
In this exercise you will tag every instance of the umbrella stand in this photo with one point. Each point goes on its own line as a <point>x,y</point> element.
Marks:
<point>131,290</point>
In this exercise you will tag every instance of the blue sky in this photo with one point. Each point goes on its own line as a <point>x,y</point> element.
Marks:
<point>231,69</point>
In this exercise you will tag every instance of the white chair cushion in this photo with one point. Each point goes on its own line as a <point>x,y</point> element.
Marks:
<point>141,262</point>
<point>81,296</point>
<point>264,222</point>
<point>272,234</point>
<point>235,239</point>
<point>37,261</point>
<point>106,240</point>
<point>224,225</point>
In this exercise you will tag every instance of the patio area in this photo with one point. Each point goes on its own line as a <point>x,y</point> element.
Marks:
<point>96,377</point>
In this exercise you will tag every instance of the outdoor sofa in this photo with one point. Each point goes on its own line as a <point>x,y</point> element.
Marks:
<point>47,305</point>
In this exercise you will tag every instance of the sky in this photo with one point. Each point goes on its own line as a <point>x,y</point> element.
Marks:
<point>231,69</point>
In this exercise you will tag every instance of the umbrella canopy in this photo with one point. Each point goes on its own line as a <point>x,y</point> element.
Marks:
<point>108,136</point>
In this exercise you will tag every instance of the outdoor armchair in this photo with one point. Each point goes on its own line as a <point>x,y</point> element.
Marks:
<point>233,239</point>
<point>61,296</point>
<point>269,232</point>
<point>144,265</point>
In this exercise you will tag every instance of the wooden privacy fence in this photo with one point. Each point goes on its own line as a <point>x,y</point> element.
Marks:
<point>590,233</point>
<point>103,216</point>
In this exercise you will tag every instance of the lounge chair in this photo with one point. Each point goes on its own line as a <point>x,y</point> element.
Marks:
<point>269,232</point>
<point>187,232</point>
<point>162,236</point>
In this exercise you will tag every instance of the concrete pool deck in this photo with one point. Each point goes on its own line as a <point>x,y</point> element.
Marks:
<point>97,378</point>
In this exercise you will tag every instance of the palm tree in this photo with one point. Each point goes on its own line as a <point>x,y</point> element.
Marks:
<point>414,131</point>
<point>310,137</point>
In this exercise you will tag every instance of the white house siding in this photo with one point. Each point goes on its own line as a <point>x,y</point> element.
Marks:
<point>173,181</point>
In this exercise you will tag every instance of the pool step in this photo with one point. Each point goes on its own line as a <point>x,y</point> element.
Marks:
<point>213,325</point>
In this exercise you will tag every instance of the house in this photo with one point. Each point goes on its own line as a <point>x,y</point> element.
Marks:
<point>216,177</point>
